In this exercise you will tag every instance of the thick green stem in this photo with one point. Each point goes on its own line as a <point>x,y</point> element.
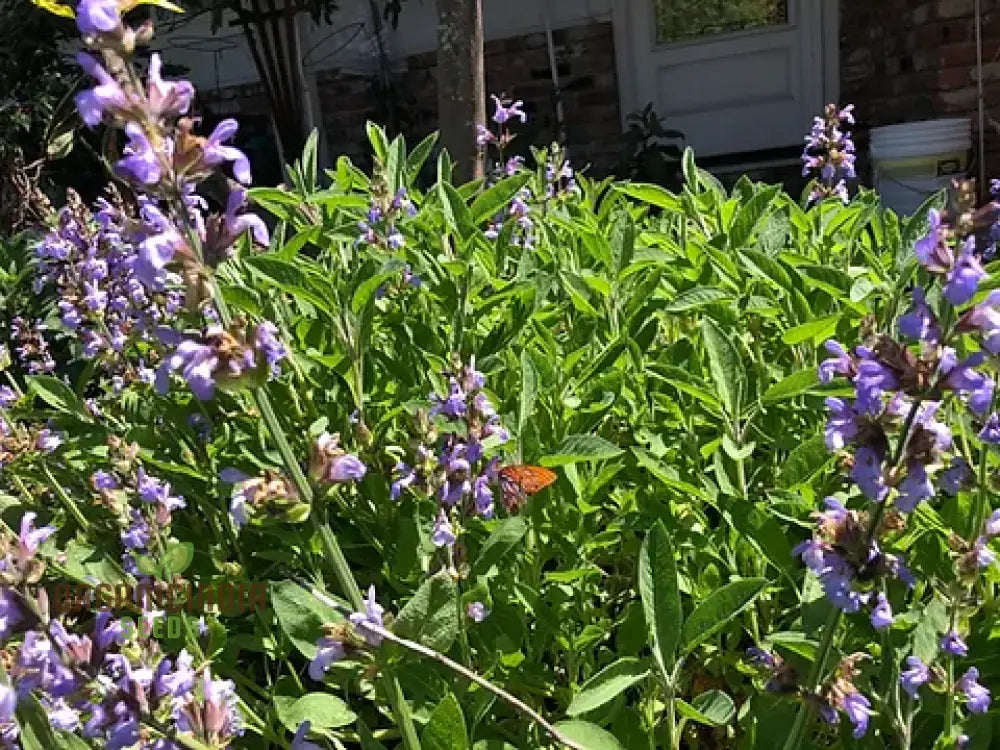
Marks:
<point>68,503</point>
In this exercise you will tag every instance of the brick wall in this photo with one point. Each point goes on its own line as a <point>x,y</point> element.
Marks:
<point>519,67</point>
<point>904,60</point>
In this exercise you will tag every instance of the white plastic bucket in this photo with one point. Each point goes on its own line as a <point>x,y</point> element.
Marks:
<point>916,159</point>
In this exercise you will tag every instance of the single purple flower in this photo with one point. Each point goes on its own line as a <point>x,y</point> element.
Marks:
<point>951,480</point>
<point>872,381</point>
<point>299,741</point>
<point>761,658</point>
<point>237,224</point>
<point>215,153</point>
<point>858,710</point>
<point>985,557</point>
<point>443,534</point>
<point>94,17</point>
<point>406,478</point>
<point>8,397</point>
<point>373,615</point>
<point>483,136</point>
<point>841,426</point>
<point>30,538</point>
<point>882,613</point>
<point>952,643</point>
<point>839,364</point>
<point>919,322</point>
<point>328,651</point>
<point>197,363</point>
<point>48,440</point>
<point>918,674</point>
<point>141,163</point>
<point>346,468</point>
<point>961,377</point>
<point>867,473</point>
<point>477,611</point>
<point>505,113</point>
<point>932,250</point>
<point>986,317</point>
<point>993,524</point>
<point>915,488</point>
<point>8,724</point>
<point>991,430</point>
<point>167,98</point>
<point>963,280</point>
<point>977,697</point>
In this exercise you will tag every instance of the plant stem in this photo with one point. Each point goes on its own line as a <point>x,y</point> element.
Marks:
<point>815,677</point>
<point>468,674</point>
<point>68,503</point>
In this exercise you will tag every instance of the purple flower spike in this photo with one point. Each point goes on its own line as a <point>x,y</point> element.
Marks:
<point>882,613</point>
<point>918,674</point>
<point>977,697</point>
<point>952,643</point>
<point>858,710</point>
<point>215,153</point>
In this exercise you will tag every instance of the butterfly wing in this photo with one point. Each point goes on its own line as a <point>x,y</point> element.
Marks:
<point>517,483</point>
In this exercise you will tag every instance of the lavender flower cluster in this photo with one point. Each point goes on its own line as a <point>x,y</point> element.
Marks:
<point>559,177</point>
<point>380,225</point>
<point>30,346</point>
<point>451,447</point>
<point>142,503</point>
<point>221,359</point>
<point>109,686</point>
<point>901,452</point>
<point>830,154</point>
<point>123,275</point>
<point>91,262</point>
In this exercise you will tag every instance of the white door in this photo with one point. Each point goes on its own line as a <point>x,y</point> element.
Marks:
<point>732,75</point>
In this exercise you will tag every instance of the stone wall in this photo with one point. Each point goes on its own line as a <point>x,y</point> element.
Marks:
<point>905,60</point>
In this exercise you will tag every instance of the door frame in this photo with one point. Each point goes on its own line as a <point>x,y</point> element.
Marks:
<point>625,13</point>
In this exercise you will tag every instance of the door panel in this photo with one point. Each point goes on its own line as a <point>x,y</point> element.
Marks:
<point>732,75</point>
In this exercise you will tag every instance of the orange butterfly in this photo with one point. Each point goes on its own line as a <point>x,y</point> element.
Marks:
<point>517,483</point>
